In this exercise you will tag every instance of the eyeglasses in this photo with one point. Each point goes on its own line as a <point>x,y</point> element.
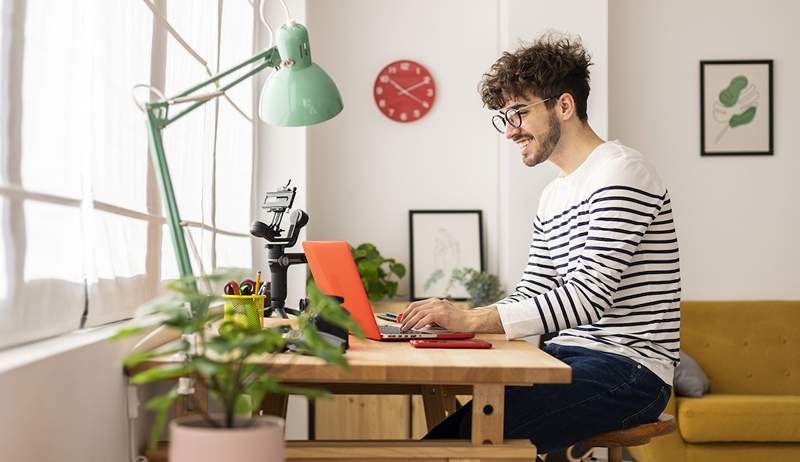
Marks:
<point>512,116</point>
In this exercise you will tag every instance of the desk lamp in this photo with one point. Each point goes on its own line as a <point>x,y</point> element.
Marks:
<point>299,93</point>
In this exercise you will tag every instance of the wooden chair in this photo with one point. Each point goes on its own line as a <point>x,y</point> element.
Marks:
<point>635,436</point>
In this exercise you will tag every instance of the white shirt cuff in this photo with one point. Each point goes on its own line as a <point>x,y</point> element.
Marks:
<point>520,319</point>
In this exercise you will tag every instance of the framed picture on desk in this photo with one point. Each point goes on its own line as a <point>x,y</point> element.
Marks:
<point>441,241</point>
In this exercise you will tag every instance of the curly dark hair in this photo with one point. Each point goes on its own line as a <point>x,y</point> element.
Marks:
<point>553,65</point>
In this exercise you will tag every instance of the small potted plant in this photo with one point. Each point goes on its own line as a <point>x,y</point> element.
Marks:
<point>483,287</point>
<point>214,352</point>
<point>380,275</point>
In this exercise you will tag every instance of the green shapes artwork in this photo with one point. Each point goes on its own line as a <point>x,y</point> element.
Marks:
<point>736,105</point>
<point>730,95</point>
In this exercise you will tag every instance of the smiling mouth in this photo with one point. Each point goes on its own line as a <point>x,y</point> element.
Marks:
<point>523,143</point>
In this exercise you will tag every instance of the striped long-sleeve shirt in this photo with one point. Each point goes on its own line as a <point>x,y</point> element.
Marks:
<point>603,266</point>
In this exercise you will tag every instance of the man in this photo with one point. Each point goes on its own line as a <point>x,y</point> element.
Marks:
<point>602,269</point>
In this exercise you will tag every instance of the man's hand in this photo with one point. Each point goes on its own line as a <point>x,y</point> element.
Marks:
<point>442,312</point>
<point>433,310</point>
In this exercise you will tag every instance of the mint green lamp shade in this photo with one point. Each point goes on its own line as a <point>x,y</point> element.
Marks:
<point>300,93</point>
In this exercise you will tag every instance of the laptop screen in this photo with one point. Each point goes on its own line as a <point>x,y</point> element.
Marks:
<point>335,273</point>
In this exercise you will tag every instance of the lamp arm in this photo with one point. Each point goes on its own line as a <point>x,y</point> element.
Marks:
<point>158,119</point>
<point>268,58</point>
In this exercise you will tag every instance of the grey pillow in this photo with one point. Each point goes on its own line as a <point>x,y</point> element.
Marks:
<point>690,380</point>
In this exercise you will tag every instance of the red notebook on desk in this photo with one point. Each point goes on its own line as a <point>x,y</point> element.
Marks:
<point>336,274</point>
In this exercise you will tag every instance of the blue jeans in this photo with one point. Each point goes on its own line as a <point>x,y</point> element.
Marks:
<point>608,392</point>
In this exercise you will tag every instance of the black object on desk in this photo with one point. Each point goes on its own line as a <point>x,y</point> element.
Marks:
<point>391,317</point>
<point>277,203</point>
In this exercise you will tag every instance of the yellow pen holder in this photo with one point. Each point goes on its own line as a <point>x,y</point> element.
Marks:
<point>247,310</point>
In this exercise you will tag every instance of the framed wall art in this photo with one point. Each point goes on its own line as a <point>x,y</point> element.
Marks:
<point>441,241</point>
<point>736,108</point>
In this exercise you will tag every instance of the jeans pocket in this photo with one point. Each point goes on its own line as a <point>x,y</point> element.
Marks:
<point>552,349</point>
<point>650,412</point>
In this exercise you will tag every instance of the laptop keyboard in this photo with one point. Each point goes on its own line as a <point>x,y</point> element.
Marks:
<point>396,330</point>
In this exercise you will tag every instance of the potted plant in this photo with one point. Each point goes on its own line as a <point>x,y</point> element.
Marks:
<point>214,352</point>
<point>483,287</point>
<point>380,275</point>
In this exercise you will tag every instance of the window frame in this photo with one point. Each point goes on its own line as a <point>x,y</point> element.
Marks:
<point>16,195</point>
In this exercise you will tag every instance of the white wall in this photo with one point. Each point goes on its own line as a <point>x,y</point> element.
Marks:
<point>366,172</point>
<point>737,217</point>
<point>66,403</point>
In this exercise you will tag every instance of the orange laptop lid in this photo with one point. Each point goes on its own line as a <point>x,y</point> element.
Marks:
<point>335,273</point>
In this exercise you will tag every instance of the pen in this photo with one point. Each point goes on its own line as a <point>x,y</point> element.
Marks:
<point>258,283</point>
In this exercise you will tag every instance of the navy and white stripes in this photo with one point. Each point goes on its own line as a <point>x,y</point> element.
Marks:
<point>603,270</point>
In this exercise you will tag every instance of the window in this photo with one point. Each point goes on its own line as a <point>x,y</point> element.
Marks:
<point>83,234</point>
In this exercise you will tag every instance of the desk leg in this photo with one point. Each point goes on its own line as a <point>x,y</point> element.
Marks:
<point>438,404</point>
<point>275,405</point>
<point>487,414</point>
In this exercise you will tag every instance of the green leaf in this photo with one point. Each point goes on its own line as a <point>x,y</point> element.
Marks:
<point>127,332</point>
<point>243,407</point>
<point>391,289</point>
<point>168,349</point>
<point>263,384</point>
<point>166,371</point>
<point>377,291</point>
<point>368,248</point>
<point>368,269</point>
<point>207,367</point>
<point>399,270</point>
<point>161,404</point>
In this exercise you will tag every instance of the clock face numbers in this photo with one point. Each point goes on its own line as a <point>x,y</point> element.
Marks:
<point>404,91</point>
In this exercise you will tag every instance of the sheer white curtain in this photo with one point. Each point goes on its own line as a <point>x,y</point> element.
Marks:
<point>210,151</point>
<point>234,160</point>
<point>82,243</point>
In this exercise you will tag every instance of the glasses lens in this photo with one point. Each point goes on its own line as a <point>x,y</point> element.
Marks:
<point>514,118</point>
<point>499,123</point>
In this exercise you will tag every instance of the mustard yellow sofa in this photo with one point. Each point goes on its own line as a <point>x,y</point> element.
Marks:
<point>751,352</point>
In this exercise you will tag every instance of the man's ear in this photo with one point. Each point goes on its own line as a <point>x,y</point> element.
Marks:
<point>565,106</point>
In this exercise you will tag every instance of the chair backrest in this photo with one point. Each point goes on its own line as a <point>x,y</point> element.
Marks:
<point>745,347</point>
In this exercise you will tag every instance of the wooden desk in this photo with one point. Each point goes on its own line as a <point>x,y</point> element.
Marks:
<point>398,368</point>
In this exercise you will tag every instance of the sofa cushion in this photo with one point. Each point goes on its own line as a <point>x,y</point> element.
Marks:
<point>743,418</point>
<point>690,380</point>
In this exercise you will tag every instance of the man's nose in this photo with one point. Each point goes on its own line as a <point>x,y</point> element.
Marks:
<point>511,131</point>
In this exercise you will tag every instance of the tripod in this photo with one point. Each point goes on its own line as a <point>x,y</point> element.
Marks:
<point>276,203</point>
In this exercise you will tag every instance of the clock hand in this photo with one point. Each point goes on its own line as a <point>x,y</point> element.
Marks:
<point>405,92</point>
<point>422,82</point>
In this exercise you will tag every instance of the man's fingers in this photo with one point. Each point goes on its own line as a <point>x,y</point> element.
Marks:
<point>412,319</point>
<point>411,307</point>
<point>429,318</point>
<point>415,306</point>
<point>415,316</point>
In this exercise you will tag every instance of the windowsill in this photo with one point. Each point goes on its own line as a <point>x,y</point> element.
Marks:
<point>19,356</point>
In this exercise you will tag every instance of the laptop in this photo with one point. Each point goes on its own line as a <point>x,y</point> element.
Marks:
<point>336,274</point>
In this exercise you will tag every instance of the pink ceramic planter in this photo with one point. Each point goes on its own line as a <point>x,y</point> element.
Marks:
<point>192,441</point>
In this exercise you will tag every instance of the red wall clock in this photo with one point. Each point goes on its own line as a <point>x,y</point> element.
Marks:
<point>404,91</point>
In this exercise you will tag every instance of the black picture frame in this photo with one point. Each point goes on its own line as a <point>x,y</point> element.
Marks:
<point>712,85</point>
<point>419,264</point>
